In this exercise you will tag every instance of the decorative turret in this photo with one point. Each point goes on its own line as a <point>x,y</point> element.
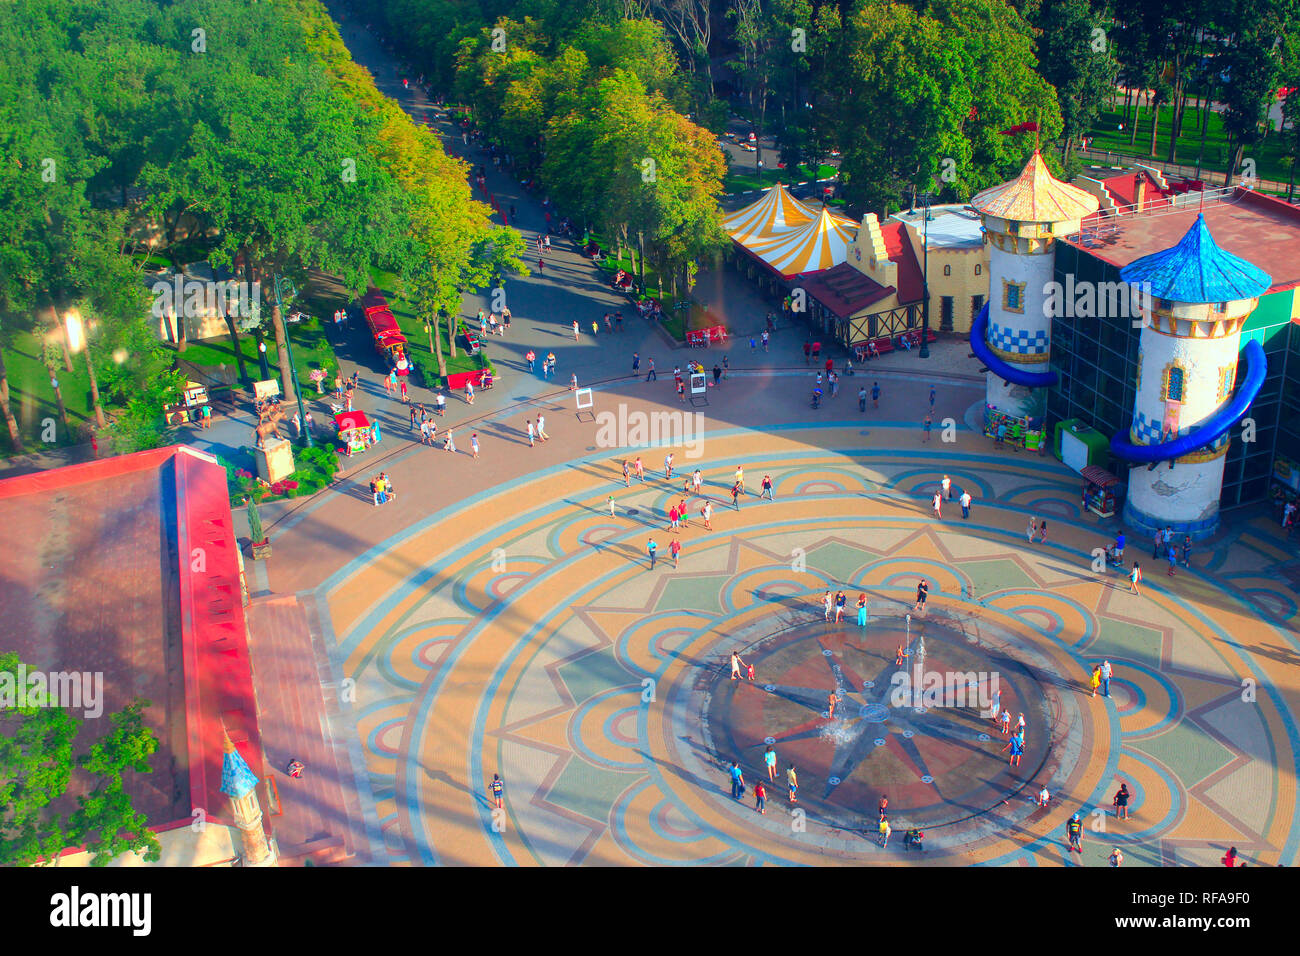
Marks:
<point>1196,297</point>
<point>1022,220</point>
<point>240,784</point>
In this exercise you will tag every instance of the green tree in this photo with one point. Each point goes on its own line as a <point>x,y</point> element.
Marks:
<point>1076,59</point>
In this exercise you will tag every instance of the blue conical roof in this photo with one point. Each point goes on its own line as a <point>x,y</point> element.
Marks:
<point>1197,270</point>
<point>236,779</point>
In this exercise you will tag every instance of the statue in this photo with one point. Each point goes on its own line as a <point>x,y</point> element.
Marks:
<point>269,417</point>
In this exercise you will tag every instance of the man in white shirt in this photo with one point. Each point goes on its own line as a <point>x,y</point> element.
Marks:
<point>964,500</point>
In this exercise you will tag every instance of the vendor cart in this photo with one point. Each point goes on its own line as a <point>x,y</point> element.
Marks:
<point>356,433</point>
<point>1100,491</point>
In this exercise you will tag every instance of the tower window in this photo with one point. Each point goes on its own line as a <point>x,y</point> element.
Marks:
<point>978,268</point>
<point>1175,383</point>
<point>947,270</point>
<point>1013,296</point>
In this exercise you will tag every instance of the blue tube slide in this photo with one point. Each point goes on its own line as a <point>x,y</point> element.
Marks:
<point>979,331</point>
<point>1209,430</point>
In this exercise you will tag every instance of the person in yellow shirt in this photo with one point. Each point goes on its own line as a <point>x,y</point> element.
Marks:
<point>792,781</point>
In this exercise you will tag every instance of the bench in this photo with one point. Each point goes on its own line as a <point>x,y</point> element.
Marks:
<point>472,340</point>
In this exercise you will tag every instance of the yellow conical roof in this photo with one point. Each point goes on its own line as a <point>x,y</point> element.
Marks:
<point>1035,196</point>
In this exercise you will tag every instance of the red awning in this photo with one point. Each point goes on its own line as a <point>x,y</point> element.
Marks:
<point>1099,476</point>
<point>346,420</point>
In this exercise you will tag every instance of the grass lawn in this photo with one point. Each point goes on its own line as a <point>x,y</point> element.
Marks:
<point>1269,162</point>
<point>32,397</point>
<point>413,328</point>
<point>742,180</point>
<point>311,350</point>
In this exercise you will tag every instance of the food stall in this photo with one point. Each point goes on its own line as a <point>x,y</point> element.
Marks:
<point>188,409</point>
<point>356,432</point>
<point>1100,491</point>
<point>1013,430</point>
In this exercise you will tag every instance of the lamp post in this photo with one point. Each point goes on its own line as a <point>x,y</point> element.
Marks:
<point>925,281</point>
<point>640,240</point>
<point>261,355</point>
<point>293,371</point>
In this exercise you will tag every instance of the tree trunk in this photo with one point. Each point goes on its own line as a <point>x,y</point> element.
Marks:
<point>282,355</point>
<point>436,326</point>
<point>15,438</point>
<point>63,338</point>
<point>94,389</point>
<point>234,343</point>
<point>1155,126</point>
<point>451,333</point>
<point>1137,118</point>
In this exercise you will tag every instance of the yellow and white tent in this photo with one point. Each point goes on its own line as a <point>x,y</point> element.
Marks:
<point>820,244</point>
<point>776,213</point>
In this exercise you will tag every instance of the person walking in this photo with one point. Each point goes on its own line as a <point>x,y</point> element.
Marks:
<point>862,399</point>
<point>926,427</point>
<point>627,474</point>
<point>760,797</point>
<point>932,397</point>
<point>1171,553</point>
<point>736,665</point>
<point>1074,830</point>
<point>1159,540</point>
<point>1120,802</point>
<point>550,363</point>
<point>946,487</point>
<point>575,330</point>
<point>440,403</point>
<point>735,495</point>
<point>707,514</point>
<point>531,358</point>
<point>828,605</point>
<point>1095,680</point>
<point>862,610</point>
<point>640,469</point>
<point>1105,678</point>
<point>1116,857</point>
<point>675,549</point>
<point>964,501</point>
<point>1042,531</point>
<point>831,701</point>
<point>449,442</point>
<point>609,500</point>
<point>573,382</point>
<point>473,443</point>
<point>875,394</point>
<point>668,466</point>
<point>885,830</point>
<point>737,782</point>
<point>636,361</point>
<point>922,592</point>
<point>766,488</point>
<point>841,601</point>
<point>1134,577</point>
<point>497,789</point>
<point>531,435</point>
<point>937,504</point>
<point>652,549</point>
<point>541,429</point>
<point>1017,747</point>
<point>469,392</point>
<point>792,782</point>
<point>697,480</point>
<point>769,761</point>
<point>717,374</point>
<point>673,517</point>
<point>1032,529</point>
<point>650,375</point>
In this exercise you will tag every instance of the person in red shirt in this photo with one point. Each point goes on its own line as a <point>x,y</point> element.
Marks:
<point>760,797</point>
<point>675,548</point>
<point>1230,858</point>
<point>673,517</point>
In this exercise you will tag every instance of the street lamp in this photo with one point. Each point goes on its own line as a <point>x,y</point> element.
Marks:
<point>925,280</point>
<point>293,371</point>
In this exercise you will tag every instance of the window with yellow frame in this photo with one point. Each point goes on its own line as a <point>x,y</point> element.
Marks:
<point>1227,378</point>
<point>1174,386</point>
<point>1013,296</point>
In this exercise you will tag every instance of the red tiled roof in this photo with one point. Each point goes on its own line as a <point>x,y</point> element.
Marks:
<point>900,251</point>
<point>843,289</point>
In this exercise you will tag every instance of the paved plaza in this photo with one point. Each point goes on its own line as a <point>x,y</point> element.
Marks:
<point>497,619</point>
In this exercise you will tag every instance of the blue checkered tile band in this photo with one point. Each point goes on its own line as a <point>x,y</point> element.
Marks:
<point>1018,341</point>
<point>1148,432</point>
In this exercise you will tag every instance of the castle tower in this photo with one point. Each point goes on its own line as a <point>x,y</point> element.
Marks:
<point>1022,220</point>
<point>1197,296</point>
<point>240,785</point>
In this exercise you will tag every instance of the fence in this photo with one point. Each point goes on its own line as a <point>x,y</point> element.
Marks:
<point>1210,177</point>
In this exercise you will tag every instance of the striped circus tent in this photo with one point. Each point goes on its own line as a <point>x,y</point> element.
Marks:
<point>776,213</point>
<point>820,244</point>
